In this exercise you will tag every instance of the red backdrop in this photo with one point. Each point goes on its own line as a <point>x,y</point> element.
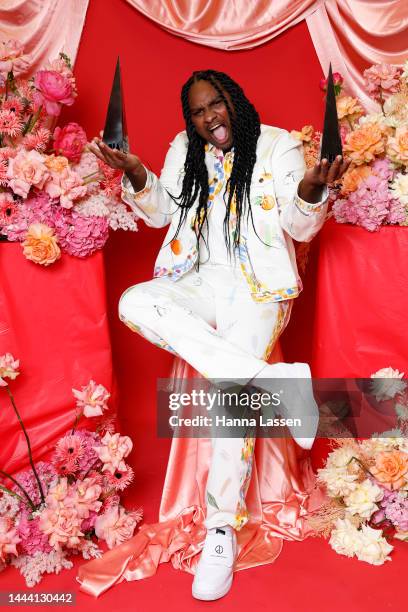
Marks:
<point>281,78</point>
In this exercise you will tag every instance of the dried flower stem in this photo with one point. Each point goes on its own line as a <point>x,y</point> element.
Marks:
<point>30,455</point>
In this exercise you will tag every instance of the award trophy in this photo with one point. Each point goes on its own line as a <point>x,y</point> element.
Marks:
<point>115,131</point>
<point>331,141</point>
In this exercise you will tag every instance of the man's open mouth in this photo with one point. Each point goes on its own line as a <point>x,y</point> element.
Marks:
<point>219,132</point>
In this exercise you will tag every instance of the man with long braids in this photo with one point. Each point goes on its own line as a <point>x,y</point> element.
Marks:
<point>235,194</point>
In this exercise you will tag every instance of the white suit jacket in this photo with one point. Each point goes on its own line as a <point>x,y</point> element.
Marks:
<point>279,214</point>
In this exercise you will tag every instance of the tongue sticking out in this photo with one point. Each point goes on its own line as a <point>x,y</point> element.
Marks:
<point>220,133</point>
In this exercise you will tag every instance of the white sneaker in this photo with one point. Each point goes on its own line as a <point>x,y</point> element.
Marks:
<point>297,399</point>
<point>214,572</point>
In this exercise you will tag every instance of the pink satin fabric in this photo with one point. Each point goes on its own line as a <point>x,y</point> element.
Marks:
<point>354,34</point>
<point>280,495</point>
<point>45,27</point>
<point>232,25</point>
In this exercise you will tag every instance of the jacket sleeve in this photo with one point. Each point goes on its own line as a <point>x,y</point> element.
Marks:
<point>300,219</point>
<point>154,203</point>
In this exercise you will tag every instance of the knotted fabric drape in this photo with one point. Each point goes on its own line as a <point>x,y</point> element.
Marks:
<point>45,27</point>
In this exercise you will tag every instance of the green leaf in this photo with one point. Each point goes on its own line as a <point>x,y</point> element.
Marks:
<point>211,500</point>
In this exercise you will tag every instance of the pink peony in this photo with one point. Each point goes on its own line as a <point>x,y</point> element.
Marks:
<point>25,170</point>
<point>92,399</point>
<point>8,368</point>
<point>70,141</point>
<point>8,538</point>
<point>54,89</point>
<point>113,450</point>
<point>115,526</point>
<point>12,58</point>
<point>382,78</point>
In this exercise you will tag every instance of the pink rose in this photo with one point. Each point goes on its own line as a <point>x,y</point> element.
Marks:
<point>113,450</point>
<point>115,526</point>
<point>25,170</point>
<point>8,368</point>
<point>337,82</point>
<point>54,89</point>
<point>8,538</point>
<point>70,141</point>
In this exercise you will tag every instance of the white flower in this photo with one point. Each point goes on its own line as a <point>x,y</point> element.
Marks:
<point>373,547</point>
<point>402,411</point>
<point>399,187</point>
<point>361,500</point>
<point>345,538</point>
<point>387,383</point>
<point>338,481</point>
<point>383,441</point>
<point>372,118</point>
<point>341,457</point>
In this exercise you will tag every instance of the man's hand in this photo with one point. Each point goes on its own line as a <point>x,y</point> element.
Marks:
<point>127,162</point>
<point>322,173</point>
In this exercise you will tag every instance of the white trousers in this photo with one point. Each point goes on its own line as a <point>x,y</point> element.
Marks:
<point>210,320</point>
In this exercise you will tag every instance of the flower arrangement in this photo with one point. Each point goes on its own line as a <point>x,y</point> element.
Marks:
<point>374,190</point>
<point>55,195</point>
<point>367,484</point>
<point>69,503</point>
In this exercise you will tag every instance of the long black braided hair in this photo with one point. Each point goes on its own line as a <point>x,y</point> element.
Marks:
<point>246,128</point>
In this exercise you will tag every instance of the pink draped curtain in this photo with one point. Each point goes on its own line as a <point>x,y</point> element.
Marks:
<point>45,27</point>
<point>352,34</point>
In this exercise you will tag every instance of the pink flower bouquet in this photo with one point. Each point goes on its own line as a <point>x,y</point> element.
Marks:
<point>70,503</point>
<point>374,190</point>
<point>47,176</point>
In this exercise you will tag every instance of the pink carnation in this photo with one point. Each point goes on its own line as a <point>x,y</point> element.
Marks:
<point>92,399</point>
<point>25,170</point>
<point>70,141</point>
<point>8,538</point>
<point>114,448</point>
<point>115,526</point>
<point>54,89</point>
<point>382,78</point>
<point>62,524</point>
<point>12,58</point>
<point>66,185</point>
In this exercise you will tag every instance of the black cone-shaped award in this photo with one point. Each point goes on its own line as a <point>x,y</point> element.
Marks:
<point>331,141</point>
<point>115,131</point>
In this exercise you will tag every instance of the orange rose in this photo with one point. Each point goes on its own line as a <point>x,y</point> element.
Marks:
<point>398,146</point>
<point>353,177</point>
<point>41,245</point>
<point>391,468</point>
<point>364,143</point>
<point>348,107</point>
